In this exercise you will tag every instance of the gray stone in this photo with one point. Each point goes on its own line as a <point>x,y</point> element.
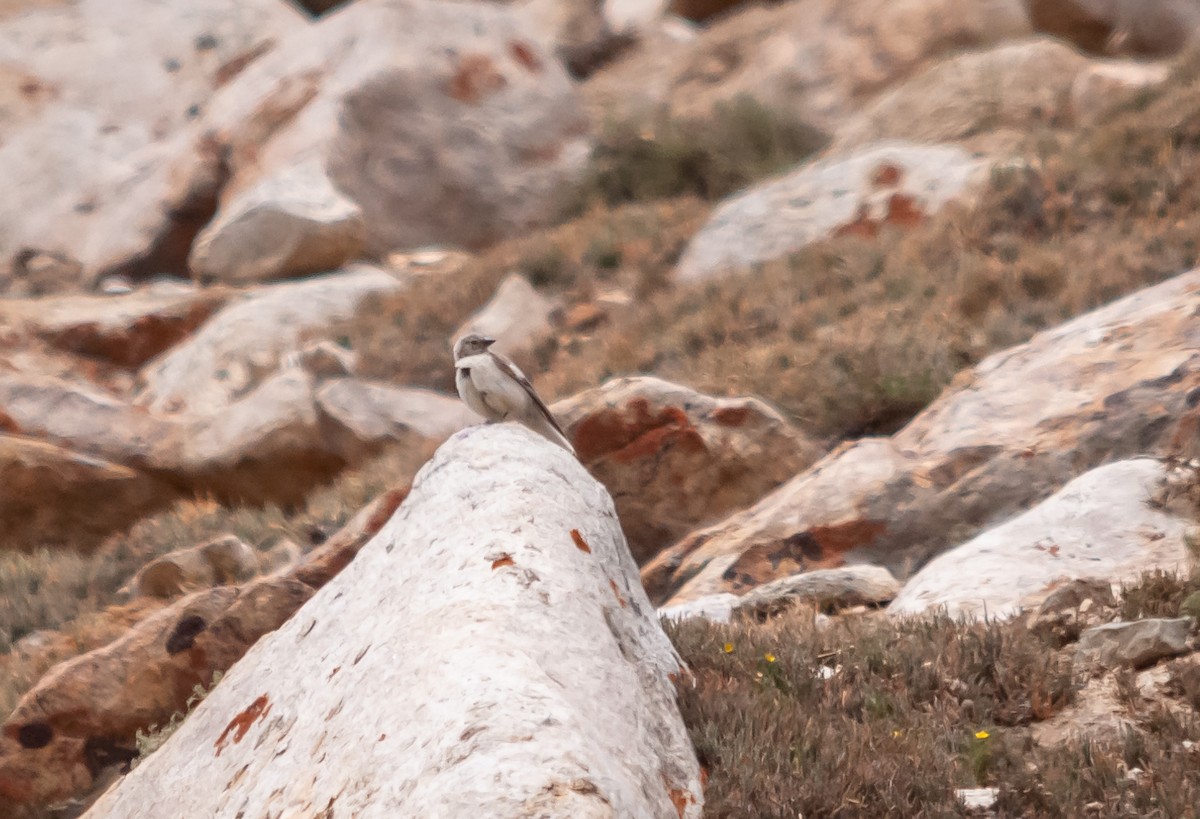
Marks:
<point>1134,644</point>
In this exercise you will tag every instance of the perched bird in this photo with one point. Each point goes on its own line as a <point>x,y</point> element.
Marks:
<point>493,386</point>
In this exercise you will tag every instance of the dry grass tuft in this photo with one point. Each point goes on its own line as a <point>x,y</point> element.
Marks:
<point>873,717</point>
<point>742,142</point>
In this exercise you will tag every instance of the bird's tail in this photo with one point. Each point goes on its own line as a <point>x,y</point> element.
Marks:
<point>543,427</point>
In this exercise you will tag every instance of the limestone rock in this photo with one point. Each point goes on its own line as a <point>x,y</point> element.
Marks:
<point>219,562</point>
<point>837,588</point>
<point>1100,526</point>
<point>291,224</point>
<point>125,329</point>
<point>861,192</point>
<point>1108,384</point>
<point>817,60</point>
<point>1071,607</point>
<point>52,496</point>
<point>977,97</point>
<point>1135,644</point>
<point>325,360</point>
<point>518,317</point>
<point>462,135</point>
<point>371,413</point>
<point>246,341</point>
<point>1103,84</point>
<point>82,716</point>
<point>673,458</point>
<point>1143,27</point>
<point>532,636</point>
<point>100,143</point>
<point>715,608</point>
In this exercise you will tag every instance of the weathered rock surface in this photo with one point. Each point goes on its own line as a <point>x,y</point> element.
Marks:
<point>291,224</point>
<point>976,96</point>
<point>246,341</point>
<point>1145,27</point>
<point>221,562</point>
<point>1071,607</point>
<point>1108,384</point>
<point>1099,526</point>
<point>1135,644</point>
<point>100,141</point>
<point>673,458</point>
<point>81,717</point>
<point>542,634</point>
<point>817,60</point>
<point>825,588</point>
<point>889,183</point>
<point>373,412</point>
<point>518,317</point>
<point>462,136</point>
<point>1102,84</point>
<point>52,495</point>
<point>126,329</point>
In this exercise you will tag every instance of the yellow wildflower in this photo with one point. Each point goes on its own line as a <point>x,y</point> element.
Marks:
<point>769,657</point>
<point>728,648</point>
<point>896,733</point>
<point>982,735</point>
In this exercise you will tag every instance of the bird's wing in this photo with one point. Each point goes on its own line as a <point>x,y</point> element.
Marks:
<point>508,368</point>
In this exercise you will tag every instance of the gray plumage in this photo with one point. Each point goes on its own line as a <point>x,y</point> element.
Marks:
<point>494,387</point>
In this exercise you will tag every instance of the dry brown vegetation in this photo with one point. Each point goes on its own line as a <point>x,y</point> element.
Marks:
<point>850,336</point>
<point>867,716</point>
<point>66,591</point>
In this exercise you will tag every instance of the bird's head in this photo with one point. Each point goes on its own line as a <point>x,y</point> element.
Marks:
<point>472,344</point>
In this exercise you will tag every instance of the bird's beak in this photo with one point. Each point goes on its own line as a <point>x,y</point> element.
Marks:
<point>488,342</point>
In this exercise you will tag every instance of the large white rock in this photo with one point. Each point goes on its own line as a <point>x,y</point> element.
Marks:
<point>97,146</point>
<point>860,191</point>
<point>245,342</point>
<point>489,653</point>
<point>1100,525</point>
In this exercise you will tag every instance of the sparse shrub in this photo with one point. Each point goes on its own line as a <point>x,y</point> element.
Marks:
<point>740,143</point>
<point>152,739</point>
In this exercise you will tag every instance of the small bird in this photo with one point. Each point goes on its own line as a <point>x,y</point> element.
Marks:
<point>493,386</point>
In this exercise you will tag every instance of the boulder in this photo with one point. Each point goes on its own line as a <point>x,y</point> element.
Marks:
<point>1106,385</point>
<point>673,458</point>
<point>52,496</point>
<point>1071,607</point>
<point>221,562</point>
<point>1156,28</point>
<point>82,717</point>
<point>523,619</point>
<point>1100,526</point>
<point>984,98</point>
<point>826,588</point>
<point>127,330</point>
<point>84,714</point>
<point>100,139</point>
<point>860,192</point>
<point>815,60</point>
<point>1102,84</point>
<point>287,225</point>
<point>338,138</point>
<point>246,341</point>
<point>371,412</point>
<point>1135,644</point>
<point>518,317</point>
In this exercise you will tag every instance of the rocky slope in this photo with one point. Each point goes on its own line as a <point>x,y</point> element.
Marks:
<point>843,305</point>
